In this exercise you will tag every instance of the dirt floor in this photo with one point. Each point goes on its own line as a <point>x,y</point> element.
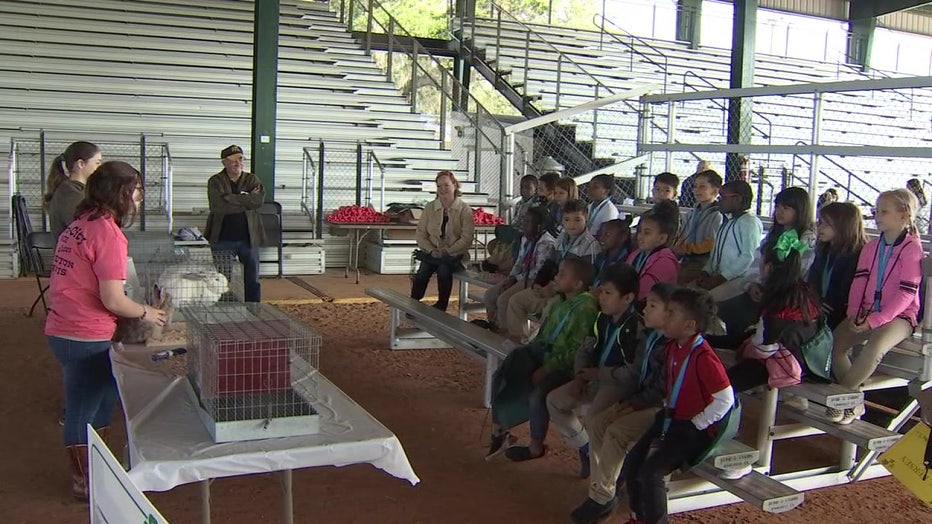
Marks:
<point>430,399</point>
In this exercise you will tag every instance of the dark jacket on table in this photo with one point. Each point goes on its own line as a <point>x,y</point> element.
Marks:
<point>621,347</point>
<point>840,271</point>
<point>224,201</point>
<point>64,203</point>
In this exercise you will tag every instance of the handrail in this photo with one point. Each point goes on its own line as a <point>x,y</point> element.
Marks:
<point>375,158</point>
<point>306,187</point>
<point>851,175</point>
<point>722,105</point>
<point>665,67</point>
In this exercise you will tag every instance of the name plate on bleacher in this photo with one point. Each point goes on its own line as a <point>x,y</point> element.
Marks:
<point>882,443</point>
<point>844,400</point>
<point>782,504</point>
<point>736,460</point>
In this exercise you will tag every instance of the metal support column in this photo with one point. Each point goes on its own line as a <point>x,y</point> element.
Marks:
<point>264,93</point>
<point>860,42</point>
<point>688,21</point>
<point>814,159</point>
<point>143,174</point>
<point>740,110</point>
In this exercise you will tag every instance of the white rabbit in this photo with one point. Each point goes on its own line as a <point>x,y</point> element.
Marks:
<point>188,286</point>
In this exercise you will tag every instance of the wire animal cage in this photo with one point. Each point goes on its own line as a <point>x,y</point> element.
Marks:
<point>192,277</point>
<point>251,367</point>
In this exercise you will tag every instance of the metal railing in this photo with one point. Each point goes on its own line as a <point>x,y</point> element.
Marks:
<point>424,72</point>
<point>633,50</point>
<point>846,186</point>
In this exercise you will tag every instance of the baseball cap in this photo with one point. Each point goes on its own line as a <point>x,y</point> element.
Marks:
<point>230,151</point>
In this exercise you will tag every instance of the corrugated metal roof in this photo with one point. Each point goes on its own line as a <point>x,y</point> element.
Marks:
<point>834,9</point>
<point>917,20</point>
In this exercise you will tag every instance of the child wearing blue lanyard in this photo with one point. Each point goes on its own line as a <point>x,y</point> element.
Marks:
<point>610,347</point>
<point>654,260</point>
<point>602,209</point>
<point>841,238</point>
<point>575,240</point>
<point>697,236</point>
<point>698,395</point>
<point>522,382</point>
<point>614,430</point>
<point>616,242</point>
<point>883,303</point>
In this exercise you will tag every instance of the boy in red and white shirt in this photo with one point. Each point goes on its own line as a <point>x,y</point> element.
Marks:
<point>698,396</point>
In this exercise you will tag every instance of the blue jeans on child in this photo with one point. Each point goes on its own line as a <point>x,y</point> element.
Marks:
<point>90,389</point>
<point>248,255</point>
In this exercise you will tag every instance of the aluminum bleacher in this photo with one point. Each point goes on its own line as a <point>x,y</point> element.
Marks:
<point>182,71</point>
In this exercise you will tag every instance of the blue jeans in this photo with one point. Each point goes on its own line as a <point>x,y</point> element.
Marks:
<point>248,255</point>
<point>90,389</point>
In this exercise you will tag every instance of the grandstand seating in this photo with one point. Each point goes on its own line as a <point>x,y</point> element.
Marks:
<point>618,60</point>
<point>181,71</point>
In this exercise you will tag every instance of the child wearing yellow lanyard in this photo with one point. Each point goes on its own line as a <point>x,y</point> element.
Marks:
<point>610,346</point>
<point>522,382</point>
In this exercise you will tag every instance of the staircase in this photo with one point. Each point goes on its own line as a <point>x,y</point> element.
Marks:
<point>182,71</point>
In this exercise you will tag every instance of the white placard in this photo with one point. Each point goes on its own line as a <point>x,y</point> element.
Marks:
<point>114,497</point>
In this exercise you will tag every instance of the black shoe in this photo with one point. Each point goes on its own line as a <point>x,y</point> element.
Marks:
<point>522,453</point>
<point>441,308</point>
<point>584,462</point>
<point>591,512</point>
<point>499,444</point>
<point>481,323</point>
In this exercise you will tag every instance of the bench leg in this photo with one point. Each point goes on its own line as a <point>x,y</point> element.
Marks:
<point>768,417</point>
<point>394,319</point>
<point>464,296</point>
<point>491,364</point>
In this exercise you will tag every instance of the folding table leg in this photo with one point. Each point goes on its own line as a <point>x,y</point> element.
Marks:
<point>205,501</point>
<point>464,296</point>
<point>287,500</point>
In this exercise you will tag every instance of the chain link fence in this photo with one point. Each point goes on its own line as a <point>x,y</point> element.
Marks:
<point>33,158</point>
<point>855,141</point>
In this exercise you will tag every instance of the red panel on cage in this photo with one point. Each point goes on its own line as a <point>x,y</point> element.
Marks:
<point>250,357</point>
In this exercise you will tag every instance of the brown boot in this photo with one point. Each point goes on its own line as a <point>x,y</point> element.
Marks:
<point>77,456</point>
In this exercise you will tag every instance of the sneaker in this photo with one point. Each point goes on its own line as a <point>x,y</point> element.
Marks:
<point>796,401</point>
<point>735,473</point>
<point>584,462</point>
<point>850,415</point>
<point>590,511</point>
<point>834,415</point>
<point>522,453</point>
<point>499,444</point>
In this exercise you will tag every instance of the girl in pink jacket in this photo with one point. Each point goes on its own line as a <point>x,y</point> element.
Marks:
<point>654,260</point>
<point>884,299</point>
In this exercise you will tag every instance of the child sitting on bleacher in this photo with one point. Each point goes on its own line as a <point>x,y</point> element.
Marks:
<point>884,300</point>
<point>666,186</point>
<point>529,198</point>
<point>735,241</point>
<point>522,382</point>
<point>564,190</point>
<point>789,318</point>
<point>602,209</point>
<point>841,238</point>
<point>536,245</point>
<point>654,260</point>
<point>698,395</point>
<point>575,240</point>
<point>697,236</point>
<point>613,431</point>
<point>608,350</point>
<point>739,307</point>
<point>615,240</point>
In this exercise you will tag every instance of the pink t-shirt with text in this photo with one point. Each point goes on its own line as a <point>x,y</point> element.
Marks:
<point>88,252</point>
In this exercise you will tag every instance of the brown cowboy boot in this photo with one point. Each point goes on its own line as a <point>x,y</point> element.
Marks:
<point>77,456</point>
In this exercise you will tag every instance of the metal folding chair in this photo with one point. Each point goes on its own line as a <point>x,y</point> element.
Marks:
<point>41,250</point>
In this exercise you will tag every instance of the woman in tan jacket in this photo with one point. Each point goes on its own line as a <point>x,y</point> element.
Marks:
<point>444,237</point>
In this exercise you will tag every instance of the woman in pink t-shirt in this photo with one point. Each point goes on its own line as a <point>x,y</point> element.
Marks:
<point>86,293</point>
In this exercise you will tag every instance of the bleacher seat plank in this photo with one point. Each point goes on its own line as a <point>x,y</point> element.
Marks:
<point>734,454</point>
<point>766,493</point>
<point>861,433</point>
<point>829,395</point>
